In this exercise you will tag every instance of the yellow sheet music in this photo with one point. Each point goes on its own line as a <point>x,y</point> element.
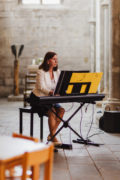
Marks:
<point>93,78</point>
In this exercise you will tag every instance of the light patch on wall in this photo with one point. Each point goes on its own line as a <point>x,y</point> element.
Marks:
<point>86,59</point>
<point>51,1</point>
<point>31,1</point>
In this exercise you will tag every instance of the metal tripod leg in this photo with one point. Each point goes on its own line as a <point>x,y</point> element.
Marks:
<point>65,123</point>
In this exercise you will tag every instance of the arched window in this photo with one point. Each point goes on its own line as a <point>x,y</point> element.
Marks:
<point>51,1</point>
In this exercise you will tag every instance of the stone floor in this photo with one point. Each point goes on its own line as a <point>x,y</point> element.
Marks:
<point>82,162</point>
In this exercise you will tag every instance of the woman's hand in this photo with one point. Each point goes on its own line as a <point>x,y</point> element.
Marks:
<point>57,95</point>
<point>51,93</point>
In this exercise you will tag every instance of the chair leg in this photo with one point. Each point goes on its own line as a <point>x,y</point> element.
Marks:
<point>41,128</point>
<point>31,124</point>
<point>35,172</point>
<point>49,165</point>
<point>2,172</point>
<point>20,121</point>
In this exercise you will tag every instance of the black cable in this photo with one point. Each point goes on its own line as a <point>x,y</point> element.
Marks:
<point>95,134</point>
<point>81,123</point>
<point>91,123</point>
<point>87,137</point>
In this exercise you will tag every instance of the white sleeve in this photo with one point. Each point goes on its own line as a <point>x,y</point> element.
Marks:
<point>40,81</point>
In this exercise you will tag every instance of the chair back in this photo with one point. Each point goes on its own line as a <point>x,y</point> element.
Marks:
<point>15,135</point>
<point>35,159</point>
<point>24,137</point>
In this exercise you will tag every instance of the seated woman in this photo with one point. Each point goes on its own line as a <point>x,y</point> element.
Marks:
<point>47,77</point>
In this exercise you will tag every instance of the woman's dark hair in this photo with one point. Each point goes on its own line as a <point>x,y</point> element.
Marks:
<point>45,65</point>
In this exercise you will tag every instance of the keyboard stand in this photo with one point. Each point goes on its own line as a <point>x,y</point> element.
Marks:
<point>86,142</point>
<point>81,140</point>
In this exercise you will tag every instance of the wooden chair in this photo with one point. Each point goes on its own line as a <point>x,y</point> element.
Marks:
<point>15,135</point>
<point>30,160</point>
<point>9,164</point>
<point>34,159</point>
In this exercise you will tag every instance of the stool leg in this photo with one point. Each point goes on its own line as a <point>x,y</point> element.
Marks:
<point>20,122</point>
<point>41,128</point>
<point>31,124</point>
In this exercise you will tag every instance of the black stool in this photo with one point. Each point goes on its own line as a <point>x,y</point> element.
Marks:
<point>31,111</point>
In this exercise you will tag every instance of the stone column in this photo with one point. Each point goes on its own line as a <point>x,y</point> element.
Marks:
<point>98,34</point>
<point>92,22</point>
<point>114,99</point>
<point>106,49</point>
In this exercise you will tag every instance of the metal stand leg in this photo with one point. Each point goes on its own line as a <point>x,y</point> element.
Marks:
<point>31,124</point>
<point>66,124</point>
<point>20,122</point>
<point>41,128</point>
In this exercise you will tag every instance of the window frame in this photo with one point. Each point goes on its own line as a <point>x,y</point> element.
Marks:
<point>40,3</point>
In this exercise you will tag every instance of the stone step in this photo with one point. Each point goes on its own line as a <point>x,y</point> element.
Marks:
<point>12,97</point>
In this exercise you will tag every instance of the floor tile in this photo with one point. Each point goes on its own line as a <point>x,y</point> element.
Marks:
<point>82,162</point>
<point>83,172</point>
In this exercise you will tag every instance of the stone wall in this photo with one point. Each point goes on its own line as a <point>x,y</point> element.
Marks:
<point>63,29</point>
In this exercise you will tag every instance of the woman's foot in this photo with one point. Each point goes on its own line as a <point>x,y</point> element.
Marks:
<point>55,140</point>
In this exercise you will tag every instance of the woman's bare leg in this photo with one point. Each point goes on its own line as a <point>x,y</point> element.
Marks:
<point>51,120</point>
<point>60,112</point>
<point>54,121</point>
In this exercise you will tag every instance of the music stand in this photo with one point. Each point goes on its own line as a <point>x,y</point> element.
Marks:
<point>77,83</point>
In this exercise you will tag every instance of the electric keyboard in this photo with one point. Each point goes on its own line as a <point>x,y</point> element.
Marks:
<point>87,98</point>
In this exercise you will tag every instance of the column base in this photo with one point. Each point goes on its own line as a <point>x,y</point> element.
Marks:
<point>111,104</point>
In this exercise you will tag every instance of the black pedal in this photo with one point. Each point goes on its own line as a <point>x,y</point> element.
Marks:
<point>64,146</point>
